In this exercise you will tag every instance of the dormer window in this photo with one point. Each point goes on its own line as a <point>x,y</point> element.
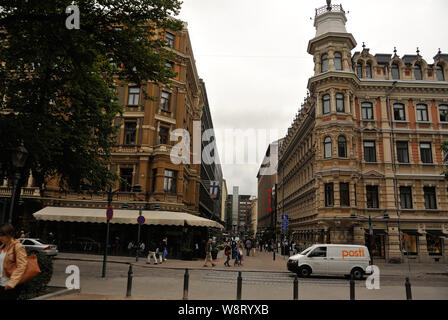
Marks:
<point>324,63</point>
<point>338,61</point>
<point>395,72</point>
<point>368,70</point>
<point>418,72</point>
<point>439,73</point>
<point>359,69</point>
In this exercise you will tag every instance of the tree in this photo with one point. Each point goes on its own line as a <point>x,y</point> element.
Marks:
<point>58,85</point>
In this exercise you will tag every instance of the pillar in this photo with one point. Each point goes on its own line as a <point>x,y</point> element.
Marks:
<point>423,255</point>
<point>359,235</point>
<point>394,243</point>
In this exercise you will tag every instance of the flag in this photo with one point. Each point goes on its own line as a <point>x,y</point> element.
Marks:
<point>214,188</point>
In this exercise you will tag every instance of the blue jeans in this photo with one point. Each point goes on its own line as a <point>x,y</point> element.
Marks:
<point>165,253</point>
<point>227,261</point>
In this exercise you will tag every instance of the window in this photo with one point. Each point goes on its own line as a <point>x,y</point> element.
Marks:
<point>327,148</point>
<point>126,179</point>
<point>434,243</point>
<point>340,102</point>
<point>422,112</point>
<point>406,197</point>
<point>372,196</point>
<point>169,64</point>
<point>169,39</point>
<point>344,191</point>
<point>359,69</point>
<point>395,72</point>
<point>409,243</point>
<point>425,152</point>
<point>169,184</point>
<point>133,96</point>
<point>324,62</point>
<point>130,130</point>
<point>338,61</point>
<point>320,252</point>
<point>418,72</point>
<point>443,111</point>
<point>164,135</point>
<point>326,104</point>
<point>430,197</point>
<point>369,151</point>
<point>165,101</point>
<point>329,195</point>
<point>439,73</point>
<point>367,111</point>
<point>342,147</point>
<point>402,152</point>
<point>368,70</point>
<point>399,114</point>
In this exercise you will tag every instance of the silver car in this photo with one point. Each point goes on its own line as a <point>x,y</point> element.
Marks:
<point>36,245</point>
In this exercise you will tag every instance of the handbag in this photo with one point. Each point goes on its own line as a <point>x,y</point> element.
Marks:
<point>31,271</point>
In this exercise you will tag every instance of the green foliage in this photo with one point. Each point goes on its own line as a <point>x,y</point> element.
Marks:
<point>36,286</point>
<point>56,84</point>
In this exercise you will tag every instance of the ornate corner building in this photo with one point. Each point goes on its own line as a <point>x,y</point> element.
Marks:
<point>362,161</point>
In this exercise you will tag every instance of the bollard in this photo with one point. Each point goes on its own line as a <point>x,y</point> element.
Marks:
<point>296,289</point>
<point>239,286</point>
<point>352,288</point>
<point>186,279</point>
<point>407,284</point>
<point>273,253</point>
<point>129,288</point>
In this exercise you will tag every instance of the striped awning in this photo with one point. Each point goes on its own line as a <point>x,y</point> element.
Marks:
<point>120,216</point>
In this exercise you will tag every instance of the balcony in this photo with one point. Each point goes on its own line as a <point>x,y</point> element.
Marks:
<point>25,192</point>
<point>330,8</point>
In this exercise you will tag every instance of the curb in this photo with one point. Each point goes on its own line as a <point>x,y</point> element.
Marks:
<point>63,292</point>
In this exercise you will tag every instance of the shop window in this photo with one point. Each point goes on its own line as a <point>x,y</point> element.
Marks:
<point>406,197</point>
<point>409,243</point>
<point>338,61</point>
<point>329,195</point>
<point>377,243</point>
<point>434,243</point>
<point>439,73</point>
<point>430,197</point>
<point>324,63</point>
<point>395,72</point>
<point>344,190</point>
<point>326,104</point>
<point>367,111</point>
<point>372,196</point>
<point>340,107</point>
<point>369,151</point>
<point>402,152</point>
<point>126,179</point>
<point>422,112</point>
<point>399,114</point>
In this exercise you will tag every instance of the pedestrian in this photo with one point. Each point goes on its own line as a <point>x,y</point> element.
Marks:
<point>235,255</point>
<point>227,252</point>
<point>116,245</point>
<point>240,253</point>
<point>164,248</point>
<point>248,246</point>
<point>152,249</point>
<point>130,247</point>
<point>208,253</point>
<point>142,249</point>
<point>11,251</point>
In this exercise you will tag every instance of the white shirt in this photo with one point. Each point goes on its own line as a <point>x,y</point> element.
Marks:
<point>3,280</point>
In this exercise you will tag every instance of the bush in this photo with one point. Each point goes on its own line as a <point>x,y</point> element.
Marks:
<point>36,287</point>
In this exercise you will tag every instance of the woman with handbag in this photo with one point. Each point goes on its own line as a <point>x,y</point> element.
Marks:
<point>227,253</point>
<point>13,263</point>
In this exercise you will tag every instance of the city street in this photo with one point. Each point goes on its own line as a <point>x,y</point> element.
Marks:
<point>263,279</point>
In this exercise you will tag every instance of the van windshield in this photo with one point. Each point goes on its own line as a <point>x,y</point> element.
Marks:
<point>305,252</point>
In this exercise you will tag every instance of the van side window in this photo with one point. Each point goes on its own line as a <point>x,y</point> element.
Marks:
<point>319,252</point>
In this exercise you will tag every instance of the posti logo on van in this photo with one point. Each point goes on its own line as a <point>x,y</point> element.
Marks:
<point>353,253</point>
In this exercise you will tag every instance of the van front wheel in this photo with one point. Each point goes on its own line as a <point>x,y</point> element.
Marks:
<point>304,272</point>
<point>358,273</point>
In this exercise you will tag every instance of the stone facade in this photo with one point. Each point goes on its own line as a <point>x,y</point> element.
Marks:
<point>366,143</point>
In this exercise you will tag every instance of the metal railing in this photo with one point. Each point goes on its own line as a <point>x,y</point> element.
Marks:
<point>332,8</point>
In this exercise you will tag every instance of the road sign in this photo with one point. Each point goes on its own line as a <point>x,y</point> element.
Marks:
<point>141,220</point>
<point>285,221</point>
<point>109,213</point>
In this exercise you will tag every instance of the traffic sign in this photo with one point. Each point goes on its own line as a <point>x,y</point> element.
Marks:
<point>141,220</point>
<point>109,213</point>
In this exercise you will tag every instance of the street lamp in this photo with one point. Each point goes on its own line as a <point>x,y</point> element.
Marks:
<point>385,216</point>
<point>18,157</point>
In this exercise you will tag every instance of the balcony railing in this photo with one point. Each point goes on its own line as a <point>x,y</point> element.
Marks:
<point>25,192</point>
<point>331,8</point>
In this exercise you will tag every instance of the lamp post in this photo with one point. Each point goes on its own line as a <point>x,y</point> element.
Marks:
<point>19,156</point>
<point>369,217</point>
<point>138,235</point>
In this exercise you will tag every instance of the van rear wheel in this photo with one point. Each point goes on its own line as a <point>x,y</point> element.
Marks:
<point>304,272</point>
<point>357,273</point>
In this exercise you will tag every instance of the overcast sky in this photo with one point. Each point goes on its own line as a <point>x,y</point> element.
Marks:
<point>252,55</point>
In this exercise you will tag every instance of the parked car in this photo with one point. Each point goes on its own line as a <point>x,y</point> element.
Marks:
<point>331,259</point>
<point>38,246</point>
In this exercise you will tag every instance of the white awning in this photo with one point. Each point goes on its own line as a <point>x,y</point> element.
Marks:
<point>152,217</point>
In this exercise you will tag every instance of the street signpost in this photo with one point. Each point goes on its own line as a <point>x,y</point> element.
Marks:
<point>140,221</point>
<point>109,213</point>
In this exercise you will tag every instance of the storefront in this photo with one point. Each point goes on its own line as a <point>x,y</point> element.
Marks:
<point>434,242</point>
<point>377,243</point>
<point>409,242</point>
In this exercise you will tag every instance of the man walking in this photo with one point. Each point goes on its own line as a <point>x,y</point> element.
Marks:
<point>248,246</point>
<point>151,253</point>
<point>164,248</point>
<point>208,253</point>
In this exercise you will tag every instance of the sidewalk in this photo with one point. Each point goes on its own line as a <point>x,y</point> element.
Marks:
<point>261,261</point>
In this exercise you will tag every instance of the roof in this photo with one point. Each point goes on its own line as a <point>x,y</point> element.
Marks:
<point>409,58</point>
<point>123,217</point>
<point>383,58</point>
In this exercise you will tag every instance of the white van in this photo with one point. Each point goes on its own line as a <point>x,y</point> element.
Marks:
<point>331,259</point>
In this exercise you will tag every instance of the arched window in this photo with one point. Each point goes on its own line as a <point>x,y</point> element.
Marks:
<point>326,104</point>
<point>418,72</point>
<point>395,72</point>
<point>338,61</point>
<point>439,73</point>
<point>342,147</point>
<point>324,62</point>
<point>340,102</point>
<point>327,147</point>
<point>368,70</point>
<point>359,69</point>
